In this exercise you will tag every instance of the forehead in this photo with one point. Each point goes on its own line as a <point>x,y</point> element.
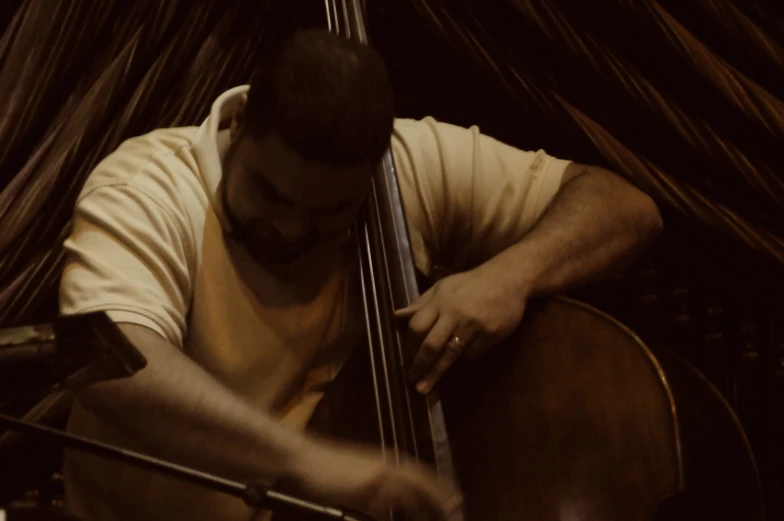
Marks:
<point>297,178</point>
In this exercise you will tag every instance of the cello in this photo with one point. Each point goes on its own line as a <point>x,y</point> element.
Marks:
<point>572,417</point>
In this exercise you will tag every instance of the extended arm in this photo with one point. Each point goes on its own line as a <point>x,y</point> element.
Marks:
<point>178,410</point>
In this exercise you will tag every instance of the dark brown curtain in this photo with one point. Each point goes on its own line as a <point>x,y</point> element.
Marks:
<point>684,98</point>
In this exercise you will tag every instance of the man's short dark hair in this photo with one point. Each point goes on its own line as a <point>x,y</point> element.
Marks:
<point>327,97</point>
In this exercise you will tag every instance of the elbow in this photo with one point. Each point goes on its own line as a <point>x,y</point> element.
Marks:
<point>92,398</point>
<point>637,208</point>
<point>106,398</point>
<point>647,218</point>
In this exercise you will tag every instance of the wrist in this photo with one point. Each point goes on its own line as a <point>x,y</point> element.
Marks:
<point>515,269</point>
<point>299,458</point>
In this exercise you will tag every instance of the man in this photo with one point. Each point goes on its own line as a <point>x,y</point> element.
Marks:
<point>224,253</point>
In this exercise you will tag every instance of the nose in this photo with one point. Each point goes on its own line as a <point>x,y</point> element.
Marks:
<point>292,228</point>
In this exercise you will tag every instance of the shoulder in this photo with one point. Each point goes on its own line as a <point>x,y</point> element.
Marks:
<point>159,167</point>
<point>428,153</point>
<point>432,148</point>
<point>160,163</point>
<point>149,188</point>
<point>430,136</point>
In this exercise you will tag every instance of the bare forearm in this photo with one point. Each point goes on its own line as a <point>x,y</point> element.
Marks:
<point>182,413</point>
<point>596,225</point>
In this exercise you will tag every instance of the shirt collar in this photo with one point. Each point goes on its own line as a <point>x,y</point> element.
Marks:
<point>211,143</point>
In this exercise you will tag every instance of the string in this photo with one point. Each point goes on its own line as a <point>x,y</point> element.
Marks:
<point>377,344</point>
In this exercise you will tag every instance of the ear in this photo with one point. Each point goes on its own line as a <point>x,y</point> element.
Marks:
<point>238,118</point>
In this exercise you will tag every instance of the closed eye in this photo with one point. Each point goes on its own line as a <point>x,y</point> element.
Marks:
<point>271,193</point>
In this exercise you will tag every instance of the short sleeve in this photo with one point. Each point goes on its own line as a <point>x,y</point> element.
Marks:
<point>467,195</point>
<point>128,256</point>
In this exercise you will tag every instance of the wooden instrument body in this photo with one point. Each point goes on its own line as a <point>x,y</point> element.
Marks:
<point>574,418</point>
<point>570,418</point>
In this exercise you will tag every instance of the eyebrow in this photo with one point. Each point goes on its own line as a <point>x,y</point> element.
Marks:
<point>277,195</point>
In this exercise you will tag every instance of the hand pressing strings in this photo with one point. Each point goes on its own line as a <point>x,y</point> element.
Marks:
<point>461,315</point>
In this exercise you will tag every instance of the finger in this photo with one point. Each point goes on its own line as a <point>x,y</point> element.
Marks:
<point>477,347</point>
<point>389,497</point>
<point>427,500</point>
<point>412,492</point>
<point>449,354</point>
<point>415,306</point>
<point>453,504</point>
<point>412,506</point>
<point>423,321</point>
<point>431,347</point>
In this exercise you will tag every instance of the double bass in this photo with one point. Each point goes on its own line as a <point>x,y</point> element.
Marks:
<point>571,418</point>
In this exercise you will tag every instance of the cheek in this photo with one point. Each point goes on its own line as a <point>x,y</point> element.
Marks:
<point>237,193</point>
<point>250,203</point>
<point>250,207</point>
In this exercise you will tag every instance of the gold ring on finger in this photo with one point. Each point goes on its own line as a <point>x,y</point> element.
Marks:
<point>457,342</point>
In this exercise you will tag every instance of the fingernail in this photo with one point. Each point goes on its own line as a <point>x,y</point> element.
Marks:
<point>423,387</point>
<point>454,503</point>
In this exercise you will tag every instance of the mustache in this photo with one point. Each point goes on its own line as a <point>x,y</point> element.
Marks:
<point>276,248</point>
<point>259,230</point>
<point>253,239</point>
<point>274,237</point>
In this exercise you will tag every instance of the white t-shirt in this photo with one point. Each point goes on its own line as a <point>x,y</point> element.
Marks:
<point>147,247</point>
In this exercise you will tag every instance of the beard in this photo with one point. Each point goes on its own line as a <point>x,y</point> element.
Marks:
<point>264,244</point>
<point>273,250</point>
<point>267,247</point>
